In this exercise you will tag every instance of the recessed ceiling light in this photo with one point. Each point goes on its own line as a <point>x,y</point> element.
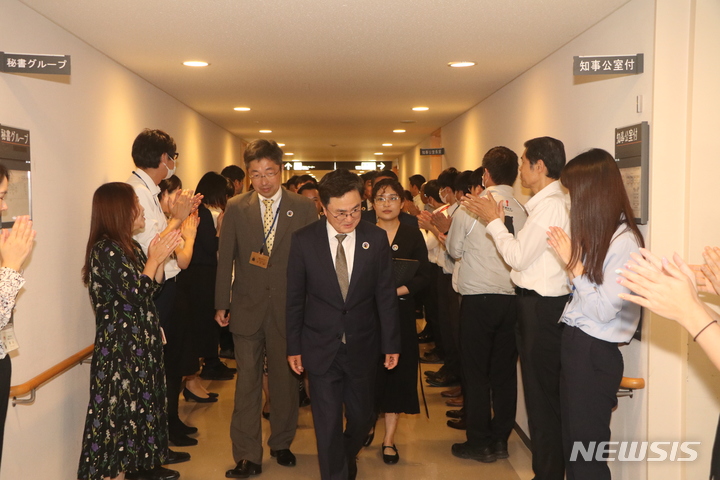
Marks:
<point>387,144</point>
<point>195,63</point>
<point>407,121</point>
<point>265,131</point>
<point>399,130</point>
<point>281,144</point>
<point>289,153</point>
<point>378,153</point>
<point>242,109</point>
<point>461,64</point>
<point>421,109</point>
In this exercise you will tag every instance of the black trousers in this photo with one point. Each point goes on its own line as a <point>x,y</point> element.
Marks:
<point>590,377</point>
<point>165,303</point>
<point>337,387</point>
<point>430,296</point>
<point>449,314</point>
<point>539,335</point>
<point>489,360</point>
<point>5,374</point>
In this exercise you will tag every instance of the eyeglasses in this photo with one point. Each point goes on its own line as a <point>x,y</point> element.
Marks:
<point>342,215</point>
<point>257,176</point>
<point>390,199</point>
<point>174,156</point>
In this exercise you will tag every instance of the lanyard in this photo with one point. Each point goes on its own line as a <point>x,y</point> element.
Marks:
<point>157,201</point>
<point>267,235</point>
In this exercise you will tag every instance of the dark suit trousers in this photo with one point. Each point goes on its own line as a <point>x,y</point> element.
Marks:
<point>245,427</point>
<point>330,391</point>
<point>489,359</point>
<point>449,310</point>
<point>591,373</point>
<point>5,374</point>
<point>539,336</point>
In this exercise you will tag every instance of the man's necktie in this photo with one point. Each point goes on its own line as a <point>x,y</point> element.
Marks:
<point>341,267</point>
<point>267,225</point>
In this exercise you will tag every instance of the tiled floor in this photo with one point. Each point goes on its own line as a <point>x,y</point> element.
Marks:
<point>424,446</point>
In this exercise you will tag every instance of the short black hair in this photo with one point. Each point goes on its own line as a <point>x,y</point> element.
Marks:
<point>169,185</point>
<point>476,177</point>
<point>447,178</point>
<point>368,176</point>
<point>305,178</point>
<point>550,150</point>
<point>337,183</point>
<point>308,186</point>
<point>408,195</point>
<point>149,146</point>
<point>462,182</point>
<point>233,172</point>
<point>387,182</point>
<point>502,165</point>
<point>291,181</point>
<point>386,174</point>
<point>214,188</point>
<point>4,173</point>
<point>432,190</point>
<point>261,148</point>
<point>417,180</point>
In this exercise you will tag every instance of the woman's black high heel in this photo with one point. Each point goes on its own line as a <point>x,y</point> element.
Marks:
<point>191,396</point>
<point>390,459</point>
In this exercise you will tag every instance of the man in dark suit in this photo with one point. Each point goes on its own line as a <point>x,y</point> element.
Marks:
<point>341,316</point>
<point>255,238</point>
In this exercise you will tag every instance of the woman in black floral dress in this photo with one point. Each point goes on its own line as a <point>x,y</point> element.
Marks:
<point>126,423</point>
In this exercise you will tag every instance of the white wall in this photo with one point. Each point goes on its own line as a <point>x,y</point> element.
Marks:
<point>81,128</point>
<point>583,112</point>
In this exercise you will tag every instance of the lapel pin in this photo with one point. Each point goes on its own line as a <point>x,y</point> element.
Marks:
<point>290,213</point>
<point>366,245</point>
<point>395,248</point>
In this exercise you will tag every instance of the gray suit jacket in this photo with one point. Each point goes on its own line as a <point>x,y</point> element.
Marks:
<point>257,292</point>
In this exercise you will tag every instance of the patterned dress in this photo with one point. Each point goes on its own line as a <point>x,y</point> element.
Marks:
<point>126,423</point>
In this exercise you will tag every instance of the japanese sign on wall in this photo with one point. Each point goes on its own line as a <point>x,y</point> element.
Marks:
<point>432,151</point>
<point>30,63</point>
<point>608,65</point>
<point>15,155</point>
<point>632,151</point>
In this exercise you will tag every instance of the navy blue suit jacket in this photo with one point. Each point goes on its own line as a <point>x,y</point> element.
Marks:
<point>317,316</point>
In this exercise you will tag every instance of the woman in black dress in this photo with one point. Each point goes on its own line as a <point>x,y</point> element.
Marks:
<point>397,388</point>
<point>126,423</point>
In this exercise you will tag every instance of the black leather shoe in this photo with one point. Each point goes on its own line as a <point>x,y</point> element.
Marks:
<point>213,394</point>
<point>481,454</point>
<point>227,353</point>
<point>458,424</point>
<point>369,439</point>
<point>176,457</point>
<point>219,371</point>
<point>181,440</point>
<point>500,449</point>
<point>157,473</point>
<point>430,357</point>
<point>352,469</point>
<point>244,469</point>
<point>284,457</point>
<point>177,425</point>
<point>390,459</point>
<point>455,413</point>
<point>425,337</point>
<point>190,396</point>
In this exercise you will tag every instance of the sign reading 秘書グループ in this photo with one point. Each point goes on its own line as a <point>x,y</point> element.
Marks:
<point>31,63</point>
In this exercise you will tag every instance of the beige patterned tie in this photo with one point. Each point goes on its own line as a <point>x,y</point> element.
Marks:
<point>341,268</point>
<point>267,225</point>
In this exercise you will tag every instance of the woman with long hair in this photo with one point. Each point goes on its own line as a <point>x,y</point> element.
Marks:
<point>126,423</point>
<point>602,236</point>
<point>396,391</point>
<point>15,246</point>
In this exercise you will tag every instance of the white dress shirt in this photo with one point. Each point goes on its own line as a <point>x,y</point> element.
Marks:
<point>482,269</point>
<point>155,221</point>
<point>348,246</point>
<point>534,263</point>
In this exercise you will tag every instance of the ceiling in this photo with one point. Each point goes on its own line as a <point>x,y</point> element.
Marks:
<point>330,78</point>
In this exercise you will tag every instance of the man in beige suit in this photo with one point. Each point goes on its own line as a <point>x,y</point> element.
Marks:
<point>255,238</point>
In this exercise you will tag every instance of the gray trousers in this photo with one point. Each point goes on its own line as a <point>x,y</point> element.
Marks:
<point>245,427</point>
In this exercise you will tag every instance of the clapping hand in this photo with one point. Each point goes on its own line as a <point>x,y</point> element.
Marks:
<point>189,226</point>
<point>441,221</point>
<point>185,204</point>
<point>161,247</point>
<point>425,220</point>
<point>708,276</point>
<point>486,208</point>
<point>16,244</point>
<point>560,242</point>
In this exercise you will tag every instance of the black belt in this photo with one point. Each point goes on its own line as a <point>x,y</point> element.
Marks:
<point>524,292</point>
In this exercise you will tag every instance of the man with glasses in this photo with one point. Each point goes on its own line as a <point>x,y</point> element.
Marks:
<point>255,239</point>
<point>342,314</point>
